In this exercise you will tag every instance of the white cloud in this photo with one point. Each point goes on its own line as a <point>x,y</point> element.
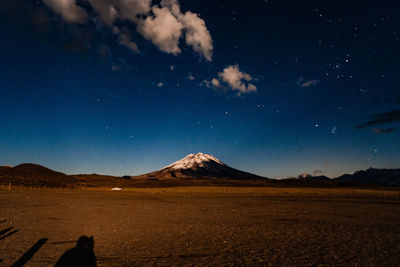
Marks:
<point>173,6</point>
<point>197,35</point>
<point>231,78</point>
<point>172,67</point>
<point>109,10</point>
<point>196,32</point>
<point>160,84</point>
<point>215,82</point>
<point>162,26</point>
<point>237,80</point>
<point>163,29</point>
<point>129,9</point>
<point>310,83</point>
<point>68,10</point>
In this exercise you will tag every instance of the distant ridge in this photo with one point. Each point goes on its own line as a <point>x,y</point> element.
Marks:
<point>309,177</point>
<point>194,169</point>
<point>373,176</point>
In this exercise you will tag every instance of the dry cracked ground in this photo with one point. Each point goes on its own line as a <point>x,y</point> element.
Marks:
<point>203,226</point>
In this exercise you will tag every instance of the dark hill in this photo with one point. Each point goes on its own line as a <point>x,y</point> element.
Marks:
<point>35,175</point>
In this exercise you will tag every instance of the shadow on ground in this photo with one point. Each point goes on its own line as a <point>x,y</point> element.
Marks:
<point>81,255</point>
<point>29,254</point>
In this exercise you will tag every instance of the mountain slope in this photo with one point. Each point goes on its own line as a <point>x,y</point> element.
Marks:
<point>34,175</point>
<point>199,166</point>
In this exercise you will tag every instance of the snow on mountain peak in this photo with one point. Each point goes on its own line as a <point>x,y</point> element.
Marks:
<point>194,161</point>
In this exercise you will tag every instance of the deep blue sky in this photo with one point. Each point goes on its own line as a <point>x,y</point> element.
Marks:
<point>74,99</point>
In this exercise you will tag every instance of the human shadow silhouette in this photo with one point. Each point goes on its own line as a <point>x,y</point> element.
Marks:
<point>81,255</point>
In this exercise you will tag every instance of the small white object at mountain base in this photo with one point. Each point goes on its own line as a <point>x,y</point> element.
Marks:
<point>116,189</point>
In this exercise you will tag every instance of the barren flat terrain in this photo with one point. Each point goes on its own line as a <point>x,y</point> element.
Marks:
<point>203,226</point>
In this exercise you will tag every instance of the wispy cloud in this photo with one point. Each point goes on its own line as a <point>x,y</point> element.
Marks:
<point>317,172</point>
<point>384,130</point>
<point>125,40</point>
<point>68,9</point>
<point>206,83</point>
<point>310,83</point>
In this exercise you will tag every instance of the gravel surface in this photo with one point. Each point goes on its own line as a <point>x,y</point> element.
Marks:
<point>175,228</point>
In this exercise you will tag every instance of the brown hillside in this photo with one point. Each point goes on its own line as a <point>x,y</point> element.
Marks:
<point>35,175</point>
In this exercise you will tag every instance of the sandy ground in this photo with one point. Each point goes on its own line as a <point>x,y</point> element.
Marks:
<point>204,226</point>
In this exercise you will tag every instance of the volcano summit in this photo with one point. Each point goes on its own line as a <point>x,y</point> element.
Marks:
<point>200,165</point>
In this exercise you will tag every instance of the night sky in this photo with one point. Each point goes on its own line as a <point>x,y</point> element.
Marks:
<point>272,87</point>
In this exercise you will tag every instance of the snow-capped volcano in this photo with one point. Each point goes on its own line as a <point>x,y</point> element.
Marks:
<point>200,165</point>
<point>191,161</point>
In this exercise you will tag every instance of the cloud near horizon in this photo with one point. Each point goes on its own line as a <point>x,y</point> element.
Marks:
<point>382,118</point>
<point>163,25</point>
<point>233,79</point>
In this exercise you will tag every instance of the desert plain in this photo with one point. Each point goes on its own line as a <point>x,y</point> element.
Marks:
<point>203,226</point>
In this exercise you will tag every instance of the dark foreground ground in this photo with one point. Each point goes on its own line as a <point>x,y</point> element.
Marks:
<point>203,226</point>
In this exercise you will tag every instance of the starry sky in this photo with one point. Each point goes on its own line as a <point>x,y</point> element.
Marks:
<point>276,87</point>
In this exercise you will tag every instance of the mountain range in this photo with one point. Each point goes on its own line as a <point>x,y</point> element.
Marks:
<point>194,169</point>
